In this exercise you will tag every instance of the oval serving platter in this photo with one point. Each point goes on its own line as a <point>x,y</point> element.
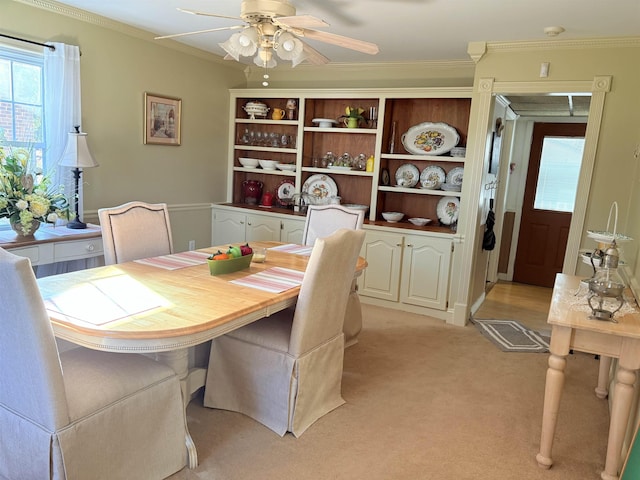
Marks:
<point>430,138</point>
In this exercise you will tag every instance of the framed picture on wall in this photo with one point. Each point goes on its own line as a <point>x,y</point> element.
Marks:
<point>162,118</point>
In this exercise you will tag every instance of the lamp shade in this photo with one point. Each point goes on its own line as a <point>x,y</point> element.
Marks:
<point>241,44</point>
<point>77,154</point>
<point>289,47</point>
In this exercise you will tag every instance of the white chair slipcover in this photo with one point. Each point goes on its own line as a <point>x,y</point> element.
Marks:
<point>81,414</point>
<point>321,221</point>
<point>135,230</point>
<point>285,371</point>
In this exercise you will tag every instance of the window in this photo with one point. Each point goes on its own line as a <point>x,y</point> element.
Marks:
<point>559,172</point>
<point>22,103</point>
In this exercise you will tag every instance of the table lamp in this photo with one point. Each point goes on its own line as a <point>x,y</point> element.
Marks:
<point>77,155</point>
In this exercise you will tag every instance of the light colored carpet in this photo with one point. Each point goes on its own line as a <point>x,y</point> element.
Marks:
<point>425,400</point>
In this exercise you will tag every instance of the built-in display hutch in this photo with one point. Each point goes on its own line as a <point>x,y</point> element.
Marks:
<point>302,142</point>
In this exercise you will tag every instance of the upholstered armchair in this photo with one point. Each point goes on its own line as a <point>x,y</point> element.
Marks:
<point>80,414</point>
<point>135,230</point>
<point>285,371</point>
<point>321,221</point>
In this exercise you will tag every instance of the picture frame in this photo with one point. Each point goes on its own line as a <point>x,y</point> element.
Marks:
<point>162,119</point>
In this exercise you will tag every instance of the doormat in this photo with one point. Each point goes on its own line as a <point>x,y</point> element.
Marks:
<point>512,336</point>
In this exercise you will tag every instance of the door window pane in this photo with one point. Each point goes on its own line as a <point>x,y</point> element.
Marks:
<point>559,172</point>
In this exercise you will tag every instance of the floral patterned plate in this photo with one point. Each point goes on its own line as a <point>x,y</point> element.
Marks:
<point>321,186</point>
<point>407,175</point>
<point>447,209</point>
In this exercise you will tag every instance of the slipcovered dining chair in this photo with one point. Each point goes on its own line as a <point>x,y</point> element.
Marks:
<point>321,221</point>
<point>285,371</point>
<point>135,230</point>
<point>79,414</point>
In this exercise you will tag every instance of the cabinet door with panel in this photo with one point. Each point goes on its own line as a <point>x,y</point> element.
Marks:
<point>261,228</point>
<point>228,227</point>
<point>425,271</point>
<point>234,227</point>
<point>381,278</point>
<point>292,231</point>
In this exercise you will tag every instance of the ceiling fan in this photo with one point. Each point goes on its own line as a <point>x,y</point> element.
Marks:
<point>273,26</point>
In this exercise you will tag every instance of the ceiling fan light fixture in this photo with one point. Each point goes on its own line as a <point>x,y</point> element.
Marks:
<point>264,58</point>
<point>288,47</point>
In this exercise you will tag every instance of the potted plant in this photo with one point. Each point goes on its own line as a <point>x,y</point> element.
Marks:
<point>352,117</point>
<point>26,195</point>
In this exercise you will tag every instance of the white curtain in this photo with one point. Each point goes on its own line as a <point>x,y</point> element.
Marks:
<point>62,108</point>
<point>62,111</point>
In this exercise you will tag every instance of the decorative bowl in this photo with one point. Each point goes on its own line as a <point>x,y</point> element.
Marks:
<point>356,206</point>
<point>248,162</point>
<point>230,265</point>
<point>392,217</point>
<point>256,109</point>
<point>289,167</point>
<point>268,164</point>
<point>421,222</point>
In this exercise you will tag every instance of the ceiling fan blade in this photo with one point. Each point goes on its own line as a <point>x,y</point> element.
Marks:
<point>193,12</point>
<point>235,27</point>
<point>341,41</point>
<point>313,56</point>
<point>300,21</point>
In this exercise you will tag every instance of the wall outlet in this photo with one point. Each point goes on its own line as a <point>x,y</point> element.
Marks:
<point>192,244</point>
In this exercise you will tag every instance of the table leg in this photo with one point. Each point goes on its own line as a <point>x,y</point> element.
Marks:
<point>620,410</point>
<point>179,361</point>
<point>602,390</point>
<point>552,394</point>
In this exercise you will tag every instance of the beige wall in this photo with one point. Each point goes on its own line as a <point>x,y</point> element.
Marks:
<point>118,65</point>
<point>616,172</point>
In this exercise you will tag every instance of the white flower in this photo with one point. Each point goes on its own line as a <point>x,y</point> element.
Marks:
<point>52,217</point>
<point>22,204</point>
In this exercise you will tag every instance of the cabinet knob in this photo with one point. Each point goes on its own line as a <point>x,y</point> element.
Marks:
<point>90,247</point>
<point>398,244</point>
<point>410,245</point>
<point>249,223</point>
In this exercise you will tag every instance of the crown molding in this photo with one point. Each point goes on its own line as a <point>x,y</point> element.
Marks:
<point>575,43</point>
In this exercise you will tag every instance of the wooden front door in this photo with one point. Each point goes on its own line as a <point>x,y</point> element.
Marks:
<point>548,202</point>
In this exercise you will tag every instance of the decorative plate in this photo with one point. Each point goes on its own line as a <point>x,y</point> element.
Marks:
<point>407,175</point>
<point>322,186</point>
<point>430,138</point>
<point>433,174</point>
<point>284,192</point>
<point>454,177</point>
<point>447,209</point>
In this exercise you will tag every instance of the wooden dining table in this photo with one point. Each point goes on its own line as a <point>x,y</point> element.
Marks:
<point>141,307</point>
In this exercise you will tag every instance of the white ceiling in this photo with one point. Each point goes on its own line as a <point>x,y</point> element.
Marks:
<point>405,30</point>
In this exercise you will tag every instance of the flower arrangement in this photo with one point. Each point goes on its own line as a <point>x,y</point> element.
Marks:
<point>353,112</point>
<point>27,196</point>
